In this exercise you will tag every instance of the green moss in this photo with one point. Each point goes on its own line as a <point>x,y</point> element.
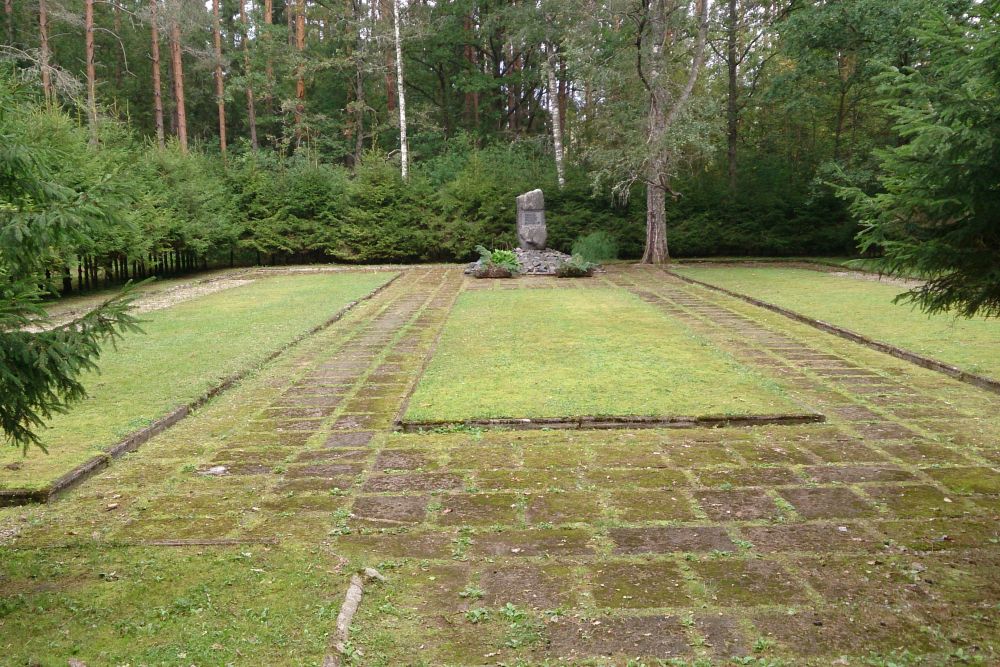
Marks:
<point>865,306</point>
<point>568,352</point>
<point>187,349</point>
<point>105,606</point>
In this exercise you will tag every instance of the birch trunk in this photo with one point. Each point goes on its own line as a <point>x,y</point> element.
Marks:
<point>404,150</point>
<point>157,88</point>
<point>732,110</point>
<point>554,115</point>
<point>220,90</point>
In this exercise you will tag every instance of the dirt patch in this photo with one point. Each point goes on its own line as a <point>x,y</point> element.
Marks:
<point>918,500</point>
<point>154,299</point>
<point>634,637</point>
<point>569,507</point>
<point>669,539</point>
<point>545,542</point>
<point>484,509</point>
<point>839,631</point>
<point>723,636</point>
<point>545,587</point>
<point>823,503</point>
<point>402,459</point>
<point>656,478</point>
<point>414,482</point>
<point>639,585</point>
<point>349,439</point>
<point>397,545</point>
<point>651,505</point>
<point>390,509</point>
<point>748,582</point>
<point>857,474</point>
<point>748,505</point>
<point>327,471</point>
<point>756,476</point>
<point>815,537</point>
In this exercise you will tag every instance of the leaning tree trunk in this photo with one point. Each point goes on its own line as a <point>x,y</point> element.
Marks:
<point>43,50</point>
<point>157,87</point>
<point>220,90</point>
<point>88,26</point>
<point>404,150</point>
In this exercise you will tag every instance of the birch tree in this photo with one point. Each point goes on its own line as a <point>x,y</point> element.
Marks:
<point>404,150</point>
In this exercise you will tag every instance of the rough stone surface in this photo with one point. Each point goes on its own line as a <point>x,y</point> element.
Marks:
<point>531,230</point>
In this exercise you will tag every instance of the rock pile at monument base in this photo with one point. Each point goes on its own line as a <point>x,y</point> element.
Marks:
<point>534,262</point>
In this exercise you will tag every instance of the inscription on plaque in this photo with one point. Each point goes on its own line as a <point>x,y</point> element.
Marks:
<point>533,218</point>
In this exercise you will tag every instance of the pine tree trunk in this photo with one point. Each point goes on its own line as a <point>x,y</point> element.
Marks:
<point>554,115</point>
<point>178,71</point>
<point>8,12</point>
<point>220,91</point>
<point>88,26</point>
<point>251,107</point>
<point>471,60</point>
<point>43,51</point>
<point>404,149</point>
<point>387,14</point>
<point>664,109</point>
<point>157,87</point>
<point>268,64</point>
<point>732,111</point>
<point>300,81</point>
<point>119,55</point>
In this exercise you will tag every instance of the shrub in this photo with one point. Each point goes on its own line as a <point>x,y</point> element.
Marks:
<point>596,247</point>
<point>575,267</point>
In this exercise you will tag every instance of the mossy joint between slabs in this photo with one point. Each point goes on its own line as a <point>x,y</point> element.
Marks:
<point>613,422</point>
<point>981,381</point>
<point>15,497</point>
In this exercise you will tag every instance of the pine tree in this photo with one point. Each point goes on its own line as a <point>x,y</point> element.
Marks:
<point>40,366</point>
<point>938,216</point>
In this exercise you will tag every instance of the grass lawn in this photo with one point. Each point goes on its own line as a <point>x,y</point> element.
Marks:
<point>187,349</point>
<point>866,307</point>
<point>568,352</point>
<point>166,607</point>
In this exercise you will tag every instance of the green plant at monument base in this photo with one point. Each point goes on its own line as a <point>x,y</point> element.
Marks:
<point>596,247</point>
<point>497,263</point>
<point>576,267</point>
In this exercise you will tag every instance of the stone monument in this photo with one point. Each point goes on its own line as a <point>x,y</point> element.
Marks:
<point>531,232</point>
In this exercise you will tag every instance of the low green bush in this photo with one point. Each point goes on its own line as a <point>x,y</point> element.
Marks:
<point>596,247</point>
